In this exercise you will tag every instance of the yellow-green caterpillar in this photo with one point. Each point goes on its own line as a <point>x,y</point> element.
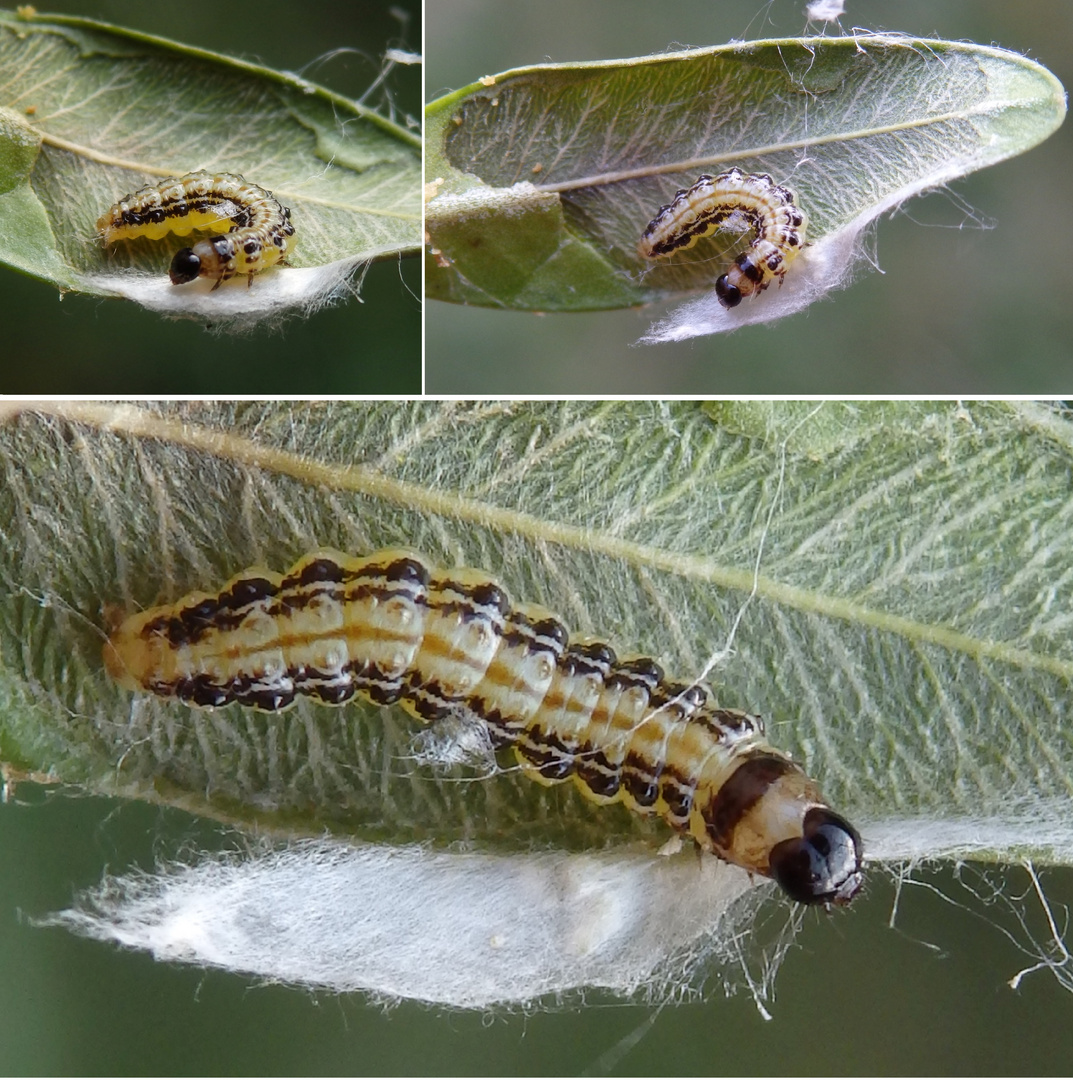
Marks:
<point>256,227</point>
<point>392,628</point>
<point>753,200</point>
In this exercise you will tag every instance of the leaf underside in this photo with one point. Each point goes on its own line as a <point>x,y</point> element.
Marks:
<point>909,640</point>
<point>90,113</point>
<point>545,177</point>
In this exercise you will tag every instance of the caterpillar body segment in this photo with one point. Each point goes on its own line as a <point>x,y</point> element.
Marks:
<point>254,229</point>
<point>392,628</point>
<point>733,198</point>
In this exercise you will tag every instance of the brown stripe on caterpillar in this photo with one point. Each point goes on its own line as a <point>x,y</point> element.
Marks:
<point>257,227</point>
<point>733,198</point>
<point>392,628</point>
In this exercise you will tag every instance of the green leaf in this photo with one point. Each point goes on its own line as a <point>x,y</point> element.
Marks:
<point>545,177</point>
<point>909,638</point>
<point>90,112</point>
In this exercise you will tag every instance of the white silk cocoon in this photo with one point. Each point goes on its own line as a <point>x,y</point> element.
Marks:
<point>461,929</point>
<point>238,305</point>
<point>476,930</point>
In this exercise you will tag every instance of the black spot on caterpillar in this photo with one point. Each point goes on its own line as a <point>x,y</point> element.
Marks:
<point>257,227</point>
<point>714,201</point>
<point>394,629</point>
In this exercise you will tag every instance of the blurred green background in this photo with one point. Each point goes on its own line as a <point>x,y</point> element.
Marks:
<point>91,346</point>
<point>854,996</point>
<point>960,308</point>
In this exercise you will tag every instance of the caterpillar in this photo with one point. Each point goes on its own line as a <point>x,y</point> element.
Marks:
<point>392,628</point>
<point>751,199</point>
<point>257,228</point>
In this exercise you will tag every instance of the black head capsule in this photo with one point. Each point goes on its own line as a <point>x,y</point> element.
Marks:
<point>184,267</point>
<point>823,865</point>
<point>729,295</point>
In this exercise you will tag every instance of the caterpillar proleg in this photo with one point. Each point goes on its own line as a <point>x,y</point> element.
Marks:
<point>753,200</point>
<point>392,628</point>
<point>256,227</point>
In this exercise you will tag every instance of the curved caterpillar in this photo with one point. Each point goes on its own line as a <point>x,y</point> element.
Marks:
<point>754,199</point>
<point>394,629</point>
<point>258,227</point>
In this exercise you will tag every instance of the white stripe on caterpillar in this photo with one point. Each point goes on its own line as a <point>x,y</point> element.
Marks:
<point>754,200</point>
<point>257,228</point>
<point>394,629</point>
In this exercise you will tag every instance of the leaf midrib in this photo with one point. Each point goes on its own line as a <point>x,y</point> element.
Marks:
<point>985,106</point>
<point>155,170</point>
<point>692,164</point>
<point>136,422</point>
